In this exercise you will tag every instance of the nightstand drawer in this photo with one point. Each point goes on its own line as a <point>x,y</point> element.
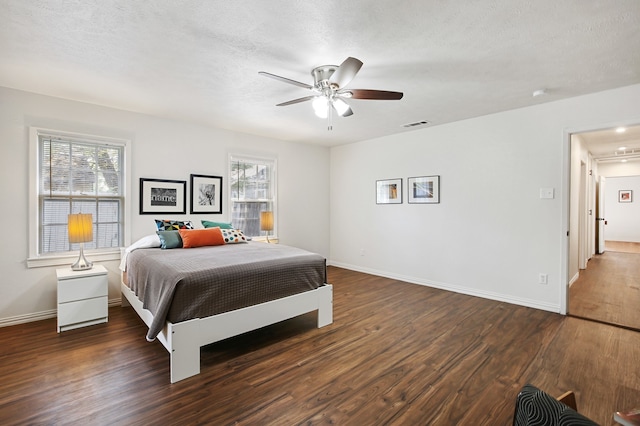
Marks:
<point>82,288</point>
<point>82,310</point>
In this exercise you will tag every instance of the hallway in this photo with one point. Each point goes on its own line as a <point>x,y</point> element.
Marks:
<point>608,290</point>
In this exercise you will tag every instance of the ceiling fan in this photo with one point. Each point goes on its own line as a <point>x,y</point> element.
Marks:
<point>329,83</point>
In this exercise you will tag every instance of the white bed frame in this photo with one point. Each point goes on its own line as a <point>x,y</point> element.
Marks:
<point>184,339</point>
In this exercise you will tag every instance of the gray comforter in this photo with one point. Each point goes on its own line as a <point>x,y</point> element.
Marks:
<point>181,284</point>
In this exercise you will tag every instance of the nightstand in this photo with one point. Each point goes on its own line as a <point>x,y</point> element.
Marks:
<point>82,297</point>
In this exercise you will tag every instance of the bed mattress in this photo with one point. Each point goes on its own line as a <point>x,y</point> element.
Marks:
<point>181,284</point>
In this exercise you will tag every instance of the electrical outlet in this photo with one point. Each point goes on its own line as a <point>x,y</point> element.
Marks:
<point>543,279</point>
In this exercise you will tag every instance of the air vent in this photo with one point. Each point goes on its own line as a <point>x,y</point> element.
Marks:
<point>417,123</point>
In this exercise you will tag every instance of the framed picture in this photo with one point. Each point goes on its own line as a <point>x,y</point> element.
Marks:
<point>389,191</point>
<point>624,196</point>
<point>424,189</point>
<point>206,194</point>
<point>158,196</point>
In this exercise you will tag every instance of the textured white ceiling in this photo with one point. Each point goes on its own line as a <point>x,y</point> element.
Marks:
<point>199,60</point>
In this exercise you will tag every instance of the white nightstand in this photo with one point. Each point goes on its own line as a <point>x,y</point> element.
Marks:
<point>82,297</point>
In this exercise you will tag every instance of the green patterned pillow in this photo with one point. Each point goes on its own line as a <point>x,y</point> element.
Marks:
<point>221,225</point>
<point>169,239</point>
<point>173,225</point>
<point>233,236</point>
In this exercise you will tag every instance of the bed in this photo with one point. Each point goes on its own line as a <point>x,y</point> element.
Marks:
<point>193,297</point>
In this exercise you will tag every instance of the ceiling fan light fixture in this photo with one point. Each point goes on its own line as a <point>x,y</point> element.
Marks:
<point>321,106</point>
<point>340,106</point>
<point>328,89</point>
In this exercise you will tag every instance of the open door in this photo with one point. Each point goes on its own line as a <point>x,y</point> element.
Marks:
<point>600,218</point>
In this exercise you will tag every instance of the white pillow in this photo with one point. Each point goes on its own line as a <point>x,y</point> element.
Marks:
<point>150,241</point>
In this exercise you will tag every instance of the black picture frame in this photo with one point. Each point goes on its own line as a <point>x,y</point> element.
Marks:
<point>160,196</point>
<point>206,194</point>
<point>423,190</point>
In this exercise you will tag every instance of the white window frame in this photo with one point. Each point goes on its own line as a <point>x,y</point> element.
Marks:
<point>274,189</point>
<point>36,259</point>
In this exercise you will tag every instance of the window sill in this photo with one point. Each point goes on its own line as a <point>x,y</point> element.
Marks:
<point>67,259</point>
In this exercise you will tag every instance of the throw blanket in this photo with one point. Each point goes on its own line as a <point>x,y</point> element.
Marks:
<point>181,284</point>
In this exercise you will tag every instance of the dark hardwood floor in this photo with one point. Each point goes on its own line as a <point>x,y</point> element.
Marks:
<point>397,353</point>
<point>609,289</point>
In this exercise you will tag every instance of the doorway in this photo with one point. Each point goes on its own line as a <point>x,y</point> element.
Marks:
<point>604,279</point>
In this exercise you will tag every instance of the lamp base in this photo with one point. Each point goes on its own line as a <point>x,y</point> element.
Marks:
<point>82,264</point>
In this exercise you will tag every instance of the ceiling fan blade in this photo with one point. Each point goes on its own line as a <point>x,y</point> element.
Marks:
<point>346,71</point>
<point>296,101</point>
<point>383,95</point>
<point>285,80</point>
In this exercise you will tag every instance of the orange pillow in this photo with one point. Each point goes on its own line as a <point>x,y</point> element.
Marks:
<point>201,237</point>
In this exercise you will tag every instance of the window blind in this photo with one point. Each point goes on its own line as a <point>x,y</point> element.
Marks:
<point>79,176</point>
<point>253,190</point>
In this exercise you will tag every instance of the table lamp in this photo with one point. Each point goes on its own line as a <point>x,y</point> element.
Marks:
<point>81,231</point>
<point>266,222</point>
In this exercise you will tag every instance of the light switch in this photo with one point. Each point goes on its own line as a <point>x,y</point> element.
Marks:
<point>546,192</point>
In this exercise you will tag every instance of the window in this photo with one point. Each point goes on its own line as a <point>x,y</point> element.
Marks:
<point>76,174</point>
<point>253,186</point>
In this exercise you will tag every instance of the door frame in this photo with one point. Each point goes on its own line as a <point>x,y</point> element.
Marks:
<point>583,256</point>
<point>600,218</point>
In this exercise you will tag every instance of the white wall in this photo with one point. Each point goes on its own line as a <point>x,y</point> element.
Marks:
<point>630,168</point>
<point>160,149</point>
<point>623,219</point>
<point>491,235</point>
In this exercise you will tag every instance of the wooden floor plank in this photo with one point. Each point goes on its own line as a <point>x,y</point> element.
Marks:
<point>397,354</point>
<point>608,290</point>
<point>622,246</point>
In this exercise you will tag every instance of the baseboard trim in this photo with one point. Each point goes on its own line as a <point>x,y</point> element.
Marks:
<point>21,319</point>
<point>43,315</point>
<point>574,278</point>
<point>52,313</point>
<point>454,288</point>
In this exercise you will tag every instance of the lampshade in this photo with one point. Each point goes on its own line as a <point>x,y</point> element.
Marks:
<point>266,221</point>
<point>321,106</point>
<point>80,231</point>
<point>80,228</point>
<point>340,106</point>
